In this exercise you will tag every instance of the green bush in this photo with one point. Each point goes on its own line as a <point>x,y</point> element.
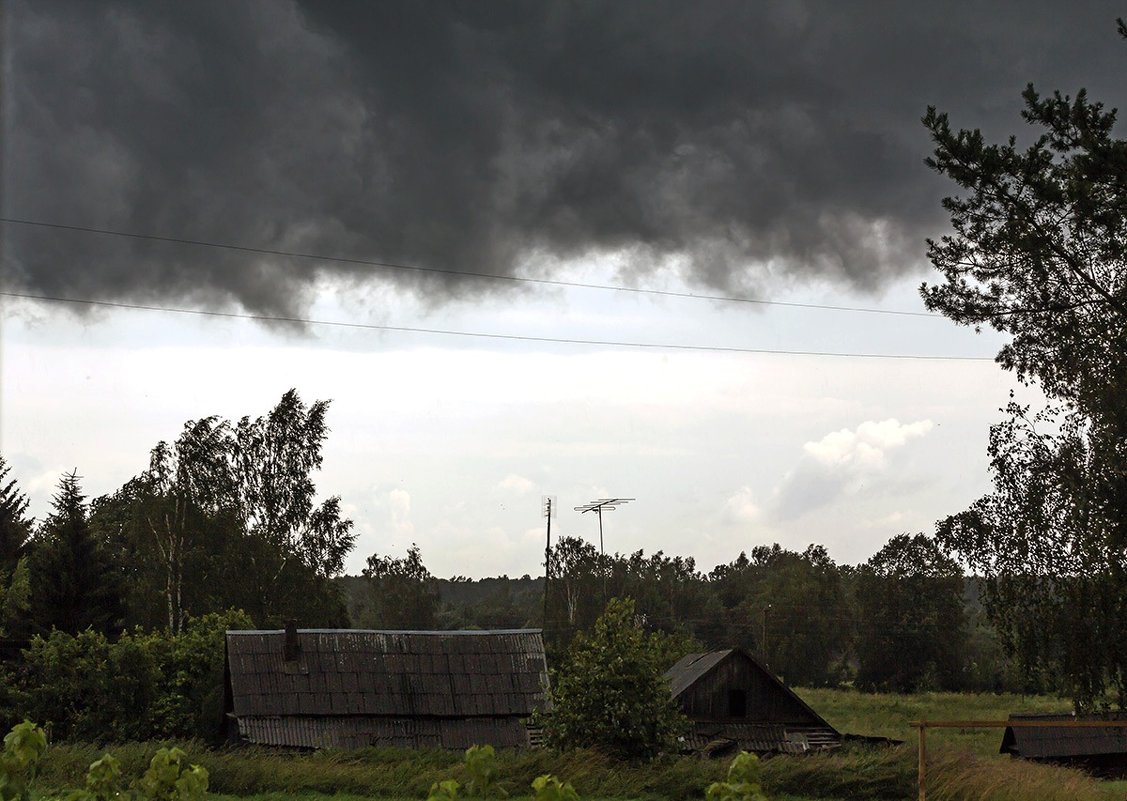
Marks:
<point>612,694</point>
<point>143,686</point>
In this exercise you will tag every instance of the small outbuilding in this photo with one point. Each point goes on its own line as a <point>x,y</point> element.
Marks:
<point>317,688</point>
<point>735,702</point>
<point>1098,750</point>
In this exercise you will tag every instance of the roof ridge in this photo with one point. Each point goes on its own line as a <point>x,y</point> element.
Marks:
<point>430,632</point>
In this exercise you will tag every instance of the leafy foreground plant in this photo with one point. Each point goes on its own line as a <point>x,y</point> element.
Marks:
<point>742,784</point>
<point>549,788</point>
<point>168,778</point>
<point>24,747</point>
<point>481,764</point>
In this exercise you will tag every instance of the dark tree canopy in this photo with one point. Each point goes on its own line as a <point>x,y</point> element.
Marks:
<point>1039,244</point>
<point>75,583</point>
<point>225,517</point>
<point>1038,252</point>
<point>15,579</point>
<point>788,607</point>
<point>910,615</point>
<point>401,593</point>
<point>15,526</point>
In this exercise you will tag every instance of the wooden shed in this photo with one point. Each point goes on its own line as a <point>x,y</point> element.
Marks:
<point>731,697</point>
<point>315,688</point>
<point>1097,750</point>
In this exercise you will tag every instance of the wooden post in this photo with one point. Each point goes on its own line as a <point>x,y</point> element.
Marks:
<point>923,726</point>
<point>923,761</point>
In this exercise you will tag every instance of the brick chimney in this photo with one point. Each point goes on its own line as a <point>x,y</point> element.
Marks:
<point>292,649</point>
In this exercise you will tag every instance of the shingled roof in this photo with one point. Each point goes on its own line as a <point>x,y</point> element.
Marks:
<point>691,667</point>
<point>1052,742</point>
<point>355,687</point>
<point>729,695</point>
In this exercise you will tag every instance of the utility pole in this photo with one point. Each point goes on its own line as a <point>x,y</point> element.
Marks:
<point>548,509</point>
<point>766,609</point>
<point>597,506</point>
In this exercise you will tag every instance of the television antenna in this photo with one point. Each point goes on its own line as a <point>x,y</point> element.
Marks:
<point>598,507</point>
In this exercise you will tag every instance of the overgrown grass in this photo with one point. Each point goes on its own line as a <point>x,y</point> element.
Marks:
<point>963,764</point>
<point>888,715</point>
<point>395,773</point>
<point>953,775</point>
<point>878,774</point>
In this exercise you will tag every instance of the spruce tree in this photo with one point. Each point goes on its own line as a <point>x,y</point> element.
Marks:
<point>76,585</point>
<point>15,528</point>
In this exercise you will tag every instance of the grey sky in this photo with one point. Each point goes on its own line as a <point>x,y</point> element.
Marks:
<point>756,142</point>
<point>771,149</point>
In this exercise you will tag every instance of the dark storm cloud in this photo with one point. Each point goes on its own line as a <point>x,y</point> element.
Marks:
<point>752,140</point>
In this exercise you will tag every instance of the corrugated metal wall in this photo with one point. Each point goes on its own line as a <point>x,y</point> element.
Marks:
<point>360,731</point>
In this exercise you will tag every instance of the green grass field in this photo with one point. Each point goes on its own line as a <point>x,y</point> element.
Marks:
<point>964,765</point>
<point>889,715</point>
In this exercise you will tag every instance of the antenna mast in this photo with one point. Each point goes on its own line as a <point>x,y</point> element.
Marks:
<point>598,506</point>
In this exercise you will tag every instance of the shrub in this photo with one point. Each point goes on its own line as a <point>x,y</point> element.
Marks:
<point>549,788</point>
<point>143,686</point>
<point>481,764</point>
<point>612,694</point>
<point>742,784</point>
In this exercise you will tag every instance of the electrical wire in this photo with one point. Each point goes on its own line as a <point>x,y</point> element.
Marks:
<point>487,335</point>
<point>463,273</point>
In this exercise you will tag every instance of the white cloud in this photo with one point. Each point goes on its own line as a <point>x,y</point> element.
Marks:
<point>843,462</point>
<point>516,484</point>
<point>865,448</point>
<point>741,507</point>
<point>399,505</point>
<point>888,521</point>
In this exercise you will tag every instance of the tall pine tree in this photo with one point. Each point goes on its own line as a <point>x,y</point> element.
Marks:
<point>15,530</point>
<point>76,585</point>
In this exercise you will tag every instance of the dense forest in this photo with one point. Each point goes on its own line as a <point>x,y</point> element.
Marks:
<point>225,519</point>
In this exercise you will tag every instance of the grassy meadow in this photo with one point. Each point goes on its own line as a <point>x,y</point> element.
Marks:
<point>889,714</point>
<point>963,765</point>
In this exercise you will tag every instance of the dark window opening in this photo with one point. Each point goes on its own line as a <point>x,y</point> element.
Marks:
<point>737,704</point>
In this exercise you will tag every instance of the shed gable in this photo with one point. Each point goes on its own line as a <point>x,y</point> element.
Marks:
<point>731,685</point>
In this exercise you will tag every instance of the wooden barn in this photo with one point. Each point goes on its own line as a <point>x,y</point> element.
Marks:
<point>1097,750</point>
<point>320,688</point>
<point>734,701</point>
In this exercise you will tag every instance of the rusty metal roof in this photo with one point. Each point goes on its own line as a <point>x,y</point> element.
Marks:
<point>387,673</point>
<point>1051,742</point>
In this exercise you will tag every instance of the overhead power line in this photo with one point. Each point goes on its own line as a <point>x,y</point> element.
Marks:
<point>275,318</point>
<point>387,265</point>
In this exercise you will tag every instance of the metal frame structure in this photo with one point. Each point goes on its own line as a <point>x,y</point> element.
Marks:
<point>598,507</point>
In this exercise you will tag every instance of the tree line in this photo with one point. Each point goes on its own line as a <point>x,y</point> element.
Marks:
<point>905,620</point>
<point>224,517</point>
